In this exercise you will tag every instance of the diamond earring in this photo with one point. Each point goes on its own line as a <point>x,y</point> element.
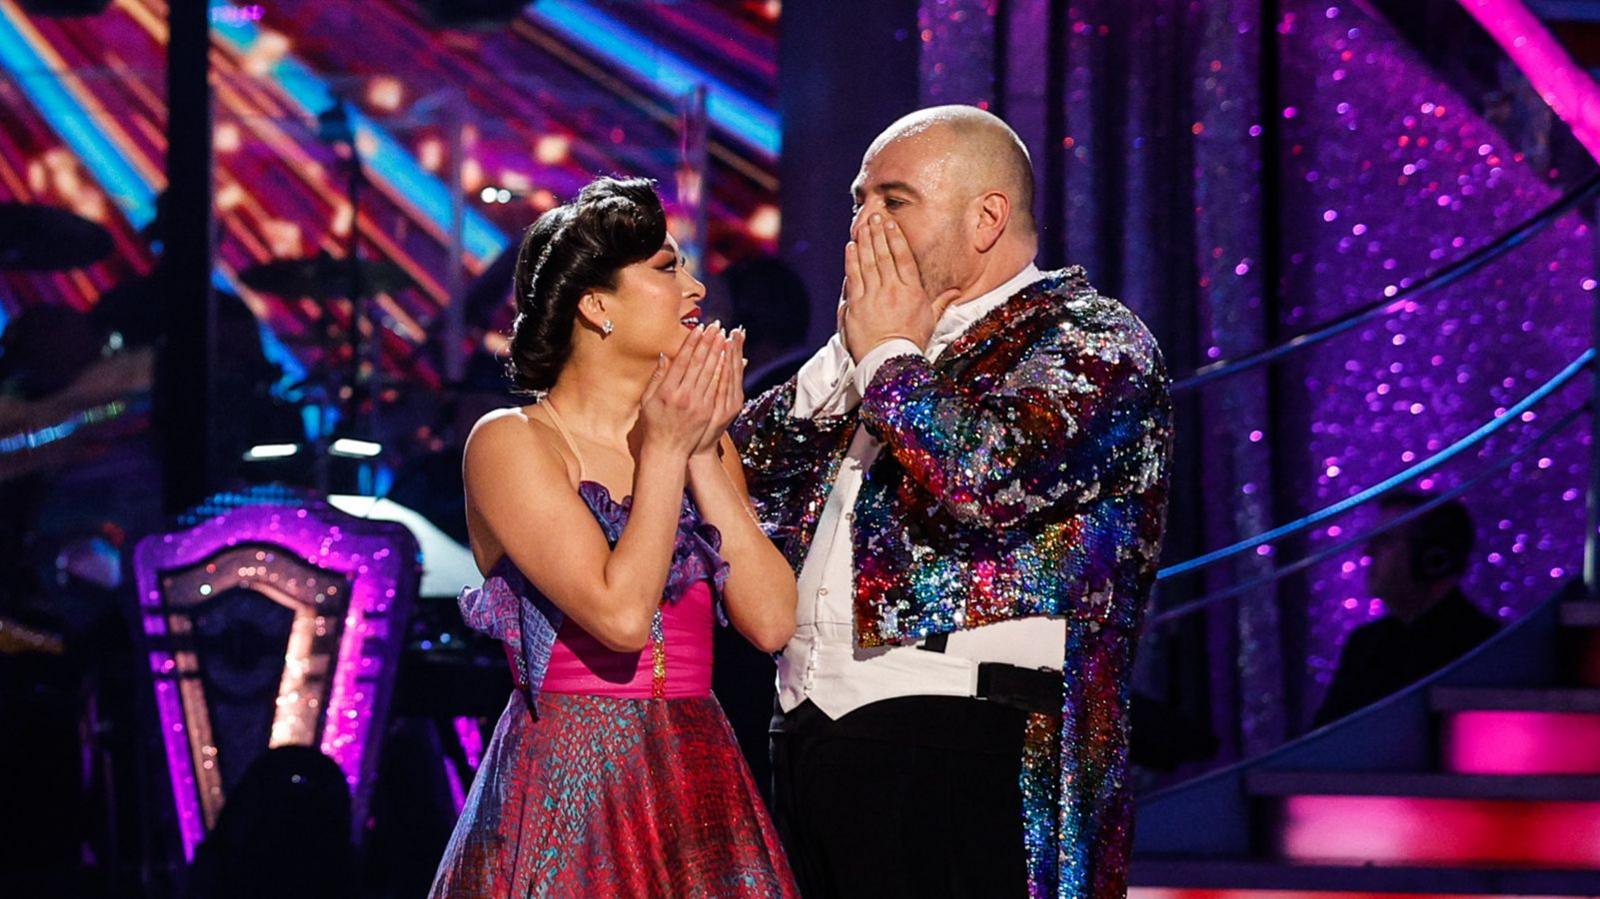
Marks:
<point>606,327</point>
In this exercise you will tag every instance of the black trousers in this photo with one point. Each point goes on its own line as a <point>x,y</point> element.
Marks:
<point>916,797</point>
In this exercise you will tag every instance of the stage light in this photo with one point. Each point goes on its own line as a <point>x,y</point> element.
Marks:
<point>226,138</point>
<point>237,15</point>
<point>343,219</point>
<point>229,197</point>
<point>385,93</point>
<point>516,181</point>
<point>472,176</point>
<point>495,194</point>
<point>430,154</point>
<point>264,451</point>
<point>350,447</point>
<point>764,223</point>
<point>283,238</point>
<point>552,149</point>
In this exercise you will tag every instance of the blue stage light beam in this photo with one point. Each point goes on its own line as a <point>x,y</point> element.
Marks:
<point>76,125</point>
<point>729,110</point>
<point>46,90</point>
<point>389,160</point>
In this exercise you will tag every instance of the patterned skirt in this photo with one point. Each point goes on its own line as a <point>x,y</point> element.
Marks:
<point>613,797</point>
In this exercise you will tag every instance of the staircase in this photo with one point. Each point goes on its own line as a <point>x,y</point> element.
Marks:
<point>1483,779</point>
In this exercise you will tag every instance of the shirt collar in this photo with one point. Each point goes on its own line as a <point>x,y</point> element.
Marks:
<point>957,319</point>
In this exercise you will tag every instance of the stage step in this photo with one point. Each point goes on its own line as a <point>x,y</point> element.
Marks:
<point>1426,784</point>
<point>1515,699</point>
<point>1429,830</point>
<point>1159,878</point>
<point>1512,742</point>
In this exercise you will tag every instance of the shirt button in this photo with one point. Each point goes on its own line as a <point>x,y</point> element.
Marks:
<point>849,516</point>
<point>822,591</point>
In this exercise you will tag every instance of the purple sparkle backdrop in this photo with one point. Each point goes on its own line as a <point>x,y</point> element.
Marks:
<point>1227,144</point>
<point>1388,174</point>
<point>1391,174</point>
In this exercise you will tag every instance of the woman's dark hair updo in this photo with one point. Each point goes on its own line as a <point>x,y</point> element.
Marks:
<point>572,249</point>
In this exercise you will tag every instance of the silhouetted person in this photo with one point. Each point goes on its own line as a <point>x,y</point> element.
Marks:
<point>768,299</point>
<point>770,302</point>
<point>284,831</point>
<point>1416,570</point>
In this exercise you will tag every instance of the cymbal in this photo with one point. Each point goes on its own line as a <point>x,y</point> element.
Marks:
<point>47,239</point>
<point>323,277</point>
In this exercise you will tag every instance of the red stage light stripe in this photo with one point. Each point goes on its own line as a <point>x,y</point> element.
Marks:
<point>1496,742</point>
<point>1425,831</point>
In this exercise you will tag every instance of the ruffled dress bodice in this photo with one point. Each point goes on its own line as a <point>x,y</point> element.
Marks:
<point>549,653</point>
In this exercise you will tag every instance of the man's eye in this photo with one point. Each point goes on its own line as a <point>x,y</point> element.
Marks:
<point>892,203</point>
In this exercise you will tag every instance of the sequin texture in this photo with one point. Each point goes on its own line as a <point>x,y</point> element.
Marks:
<point>1024,473</point>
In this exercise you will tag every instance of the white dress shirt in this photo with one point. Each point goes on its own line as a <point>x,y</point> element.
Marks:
<point>821,661</point>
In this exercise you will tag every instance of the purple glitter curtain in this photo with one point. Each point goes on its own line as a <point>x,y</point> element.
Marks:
<point>1154,153</point>
<point>1392,174</point>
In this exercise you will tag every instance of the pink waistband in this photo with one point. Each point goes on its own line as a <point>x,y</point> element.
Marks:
<point>579,663</point>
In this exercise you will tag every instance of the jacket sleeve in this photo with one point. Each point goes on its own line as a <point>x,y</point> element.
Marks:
<point>1096,812</point>
<point>1082,413</point>
<point>782,455</point>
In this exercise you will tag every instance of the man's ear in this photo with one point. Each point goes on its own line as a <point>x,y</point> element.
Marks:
<point>994,216</point>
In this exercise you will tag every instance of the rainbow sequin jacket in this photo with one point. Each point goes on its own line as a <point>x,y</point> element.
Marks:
<point>1023,473</point>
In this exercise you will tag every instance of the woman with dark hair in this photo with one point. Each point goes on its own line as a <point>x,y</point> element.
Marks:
<point>613,771</point>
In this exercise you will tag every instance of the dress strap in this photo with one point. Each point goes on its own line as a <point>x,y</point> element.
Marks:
<point>561,428</point>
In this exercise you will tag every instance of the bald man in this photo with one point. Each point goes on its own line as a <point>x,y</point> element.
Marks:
<point>970,479</point>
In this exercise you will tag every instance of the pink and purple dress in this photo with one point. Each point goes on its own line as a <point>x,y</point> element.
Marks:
<point>612,774</point>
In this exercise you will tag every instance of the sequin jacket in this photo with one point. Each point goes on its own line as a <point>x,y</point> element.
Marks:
<point>1023,473</point>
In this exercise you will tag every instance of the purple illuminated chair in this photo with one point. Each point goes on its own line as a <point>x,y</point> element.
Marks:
<point>274,620</point>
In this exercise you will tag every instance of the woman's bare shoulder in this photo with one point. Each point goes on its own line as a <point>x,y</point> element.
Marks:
<point>515,437</point>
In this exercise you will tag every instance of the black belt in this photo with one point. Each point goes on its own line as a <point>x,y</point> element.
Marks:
<point>1029,689</point>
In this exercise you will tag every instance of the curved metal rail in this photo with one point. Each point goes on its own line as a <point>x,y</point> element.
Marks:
<point>1377,309</point>
<point>1478,435</point>
<point>1195,605</point>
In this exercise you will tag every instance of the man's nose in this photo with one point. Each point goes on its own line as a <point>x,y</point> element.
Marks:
<point>864,210</point>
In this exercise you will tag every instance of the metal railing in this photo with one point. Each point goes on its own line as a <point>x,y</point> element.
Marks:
<point>1405,299</point>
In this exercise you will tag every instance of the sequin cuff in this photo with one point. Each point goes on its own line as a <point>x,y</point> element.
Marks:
<point>868,367</point>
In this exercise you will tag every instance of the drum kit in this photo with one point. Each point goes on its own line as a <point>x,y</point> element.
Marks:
<point>41,239</point>
<point>37,238</point>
